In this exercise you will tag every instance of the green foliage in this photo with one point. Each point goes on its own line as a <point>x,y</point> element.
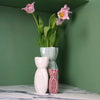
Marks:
<point>52,21</point>
<point>46,29</point>
<point>40,26</point>
<point>40,29</point>
<point>52,39</point>
<point>48,36</point>
<point>58,36</point>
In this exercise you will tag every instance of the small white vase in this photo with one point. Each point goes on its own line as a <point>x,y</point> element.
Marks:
<point>41,75</point>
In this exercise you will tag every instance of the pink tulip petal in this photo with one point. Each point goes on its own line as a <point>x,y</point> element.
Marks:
<point>59,21</point>
<point>65,6</point>
<point>33,3</point>
<point>29,8</point>
<point>64,12</point>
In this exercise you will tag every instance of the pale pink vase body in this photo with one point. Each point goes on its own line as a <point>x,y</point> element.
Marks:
<point>41,75</point>
<point>53,81</point>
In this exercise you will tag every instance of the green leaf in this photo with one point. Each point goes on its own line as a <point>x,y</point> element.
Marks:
<point>52,39</point>
<point>45,42</point>
<point>46,29</point>
<point>52,21</point>
<point>42,41</point>
<point>40,27</point>
<point>58,35</point>
<point>40,30</point>
<point>50,32</point>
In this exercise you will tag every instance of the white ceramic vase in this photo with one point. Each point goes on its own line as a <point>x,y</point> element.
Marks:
<point>51,53</point>
<point>41,75</point>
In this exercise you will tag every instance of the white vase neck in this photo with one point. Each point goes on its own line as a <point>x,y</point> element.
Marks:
<point>41,62</point>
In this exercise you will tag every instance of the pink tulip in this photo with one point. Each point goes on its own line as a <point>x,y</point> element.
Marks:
<point>29,8</point>
<point>65,7</point>
<point>64,12</point>
<point>59,21</point>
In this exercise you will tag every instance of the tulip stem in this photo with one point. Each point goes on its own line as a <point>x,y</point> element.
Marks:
<point>47,43</point>
<point>35,19</point>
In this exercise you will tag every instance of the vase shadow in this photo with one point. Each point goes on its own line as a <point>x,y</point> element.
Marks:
<point>64,54</point>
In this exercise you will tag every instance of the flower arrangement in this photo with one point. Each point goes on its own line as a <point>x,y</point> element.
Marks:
<point>49,36</point>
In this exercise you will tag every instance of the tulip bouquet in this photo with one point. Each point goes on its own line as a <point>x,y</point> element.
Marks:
<point>49,36</point>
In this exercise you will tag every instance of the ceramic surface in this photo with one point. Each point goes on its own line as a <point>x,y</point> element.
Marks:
<point>51,53</point>
<point>53,81</point>
<point>41,75</point>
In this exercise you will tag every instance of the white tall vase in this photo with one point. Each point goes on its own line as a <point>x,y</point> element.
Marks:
<point>41,75</point>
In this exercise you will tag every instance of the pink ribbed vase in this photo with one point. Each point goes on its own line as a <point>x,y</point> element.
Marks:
<point>53,81</point>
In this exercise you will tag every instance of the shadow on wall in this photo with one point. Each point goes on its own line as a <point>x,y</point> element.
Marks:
<point>63,60</point>
<point>63,56</point>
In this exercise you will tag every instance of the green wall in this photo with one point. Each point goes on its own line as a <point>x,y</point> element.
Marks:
<point>79,53</point>
<point>18,46</point>
<point>81,57</point>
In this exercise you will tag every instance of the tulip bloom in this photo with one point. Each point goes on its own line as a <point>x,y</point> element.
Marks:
<point>59,21</point>
<point>29,8</point>
<point>64,12</point>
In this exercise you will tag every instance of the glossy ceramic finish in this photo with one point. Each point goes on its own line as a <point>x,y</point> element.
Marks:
<point>53,81</point>
<point>51,53</point>
<point>41,75</point>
